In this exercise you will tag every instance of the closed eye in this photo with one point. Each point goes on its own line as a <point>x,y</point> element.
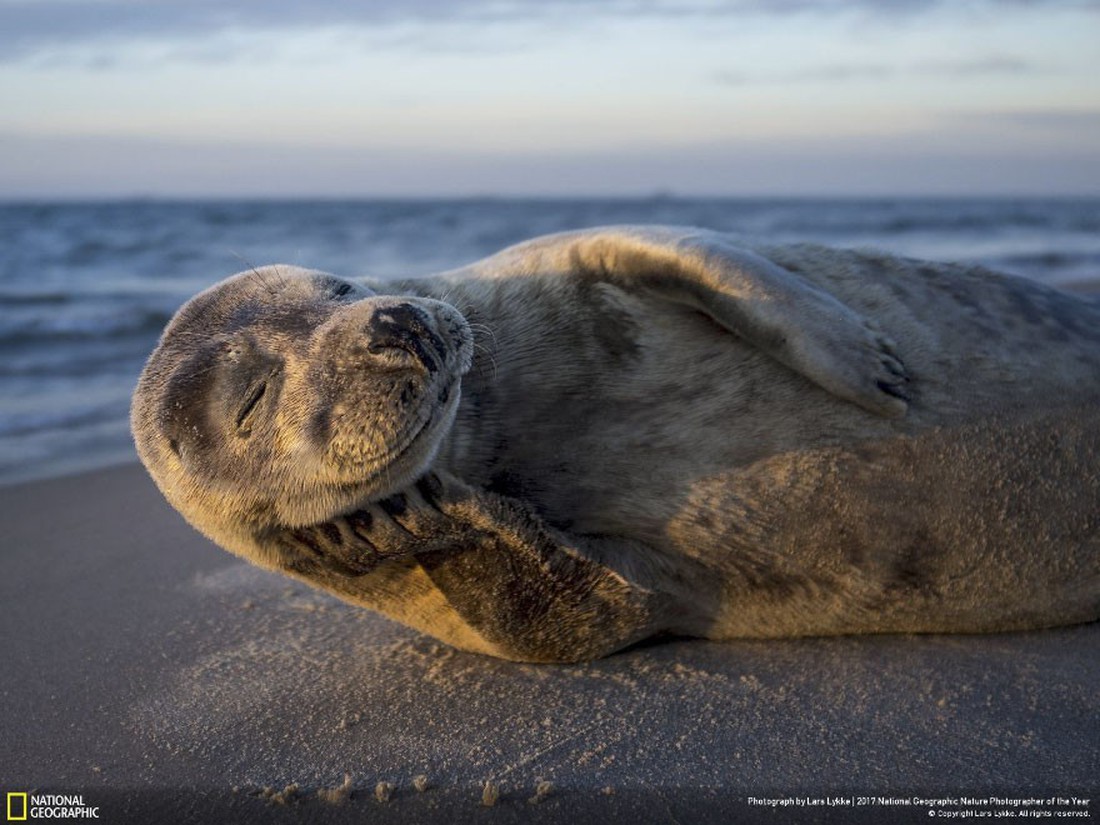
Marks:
<point>249,406</point>
<point>342,290</point>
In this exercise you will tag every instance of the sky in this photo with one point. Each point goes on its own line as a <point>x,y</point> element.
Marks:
<point>423,98</point>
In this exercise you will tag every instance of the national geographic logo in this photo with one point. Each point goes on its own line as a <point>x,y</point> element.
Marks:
<point>23,806</point>
<point>17,807</point>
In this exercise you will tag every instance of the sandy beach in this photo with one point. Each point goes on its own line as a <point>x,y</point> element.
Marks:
<point>158,676</point>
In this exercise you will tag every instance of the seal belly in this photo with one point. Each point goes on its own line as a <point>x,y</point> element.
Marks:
<point>983,527</point>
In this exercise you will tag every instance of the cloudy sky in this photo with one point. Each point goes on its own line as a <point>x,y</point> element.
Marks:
<point>558,97</point>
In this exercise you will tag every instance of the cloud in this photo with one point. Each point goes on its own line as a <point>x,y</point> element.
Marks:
<point>964,68</point>
<point>829,73</point>
<point>28,26</point>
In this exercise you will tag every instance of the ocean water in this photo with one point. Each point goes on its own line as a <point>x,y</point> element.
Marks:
<point>86,288</point>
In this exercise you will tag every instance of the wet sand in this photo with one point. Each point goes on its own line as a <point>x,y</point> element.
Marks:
<point>162,678</point>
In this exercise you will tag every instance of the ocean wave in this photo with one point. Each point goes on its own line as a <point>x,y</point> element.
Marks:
<point>1049,266</point>
<point>17,297</point>
<point>22,424</point>
<point>1051,259</point>
<point>888,219</point>
<point>48,453</point>
<point>65,409</point>
<point>31,330</point>
<point>101,360</point>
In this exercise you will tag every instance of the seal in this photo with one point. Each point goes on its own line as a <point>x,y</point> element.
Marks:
<point>595,437</point>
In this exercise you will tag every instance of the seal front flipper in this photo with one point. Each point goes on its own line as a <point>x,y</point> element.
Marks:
<point>772,308</point>
<point>510,586</point>
<point>356,543</point>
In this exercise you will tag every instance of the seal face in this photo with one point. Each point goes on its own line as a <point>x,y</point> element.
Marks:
<point>283,395</point>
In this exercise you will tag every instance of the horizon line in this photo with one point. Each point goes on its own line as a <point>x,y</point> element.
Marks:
<point>659,196</point>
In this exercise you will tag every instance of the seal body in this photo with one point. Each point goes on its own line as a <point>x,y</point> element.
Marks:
<point>595,437</point>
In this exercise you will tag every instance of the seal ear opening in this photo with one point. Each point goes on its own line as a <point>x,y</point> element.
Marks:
<point>174,446</point>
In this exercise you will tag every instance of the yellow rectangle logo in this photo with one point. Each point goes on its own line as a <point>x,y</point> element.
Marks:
<point>13,816</point>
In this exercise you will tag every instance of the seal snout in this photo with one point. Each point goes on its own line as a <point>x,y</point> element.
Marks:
<point>406,328</point>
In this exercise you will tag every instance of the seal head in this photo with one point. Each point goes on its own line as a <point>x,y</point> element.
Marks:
<point>283,396</point>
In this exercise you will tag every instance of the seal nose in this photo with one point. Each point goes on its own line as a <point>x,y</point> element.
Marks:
<point>406,327</point>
